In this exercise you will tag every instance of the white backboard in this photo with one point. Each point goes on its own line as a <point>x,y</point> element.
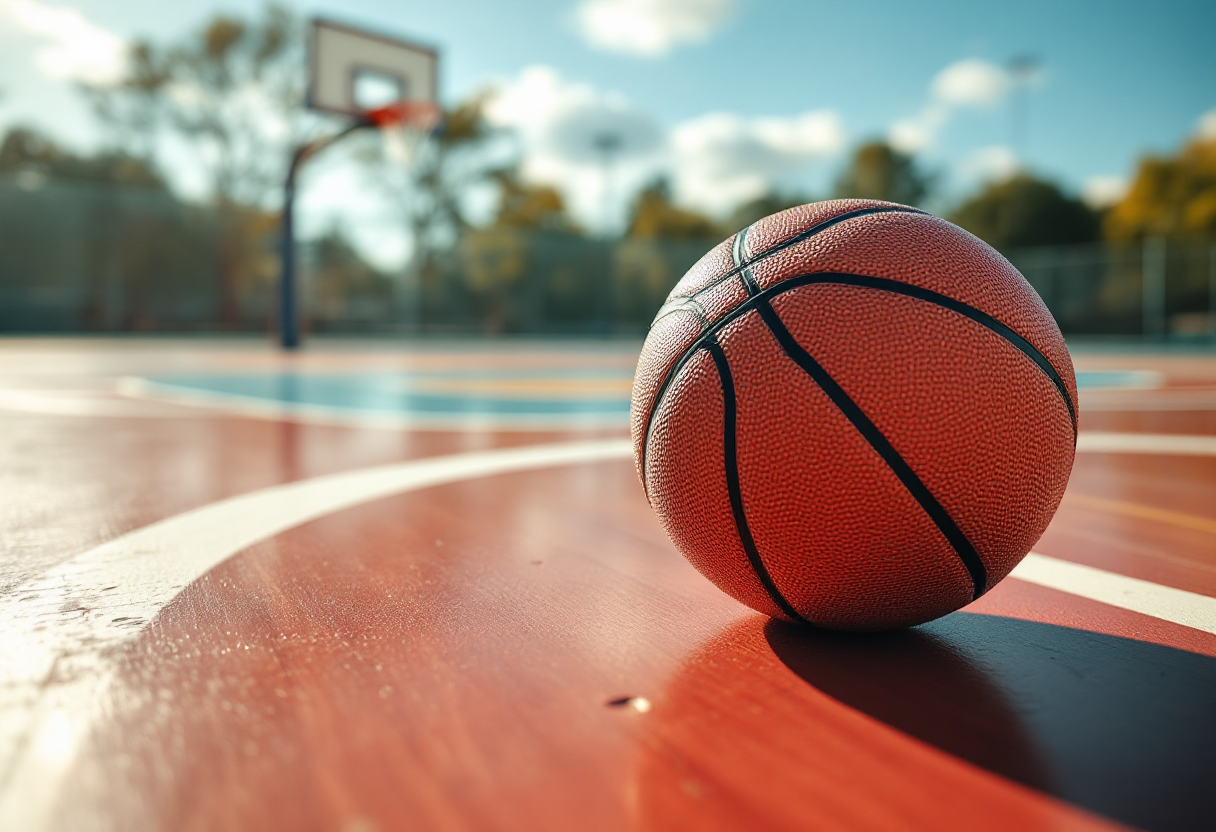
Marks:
<point>351,71</point>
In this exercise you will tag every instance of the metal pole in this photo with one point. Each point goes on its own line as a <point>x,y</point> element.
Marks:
<point>289,306</point>
<point>1152,301</point>
<point>608,144</point>
<point>289,315</point>
<point>1212,289</point>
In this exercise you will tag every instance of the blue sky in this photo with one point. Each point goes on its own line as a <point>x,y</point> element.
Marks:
<point>747,94</point>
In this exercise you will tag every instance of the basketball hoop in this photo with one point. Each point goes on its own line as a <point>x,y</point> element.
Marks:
<point>351,73</point>
<point>404,126</point>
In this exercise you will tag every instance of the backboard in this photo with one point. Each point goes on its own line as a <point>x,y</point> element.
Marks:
<point>353,71</point>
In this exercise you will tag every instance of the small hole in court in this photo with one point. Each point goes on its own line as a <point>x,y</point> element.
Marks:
<point>637,703</point>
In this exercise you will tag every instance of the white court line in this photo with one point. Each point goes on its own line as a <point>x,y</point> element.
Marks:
<point>82,403</point>
<point>60,634</point>
<point>1145,443</point>
<point>1179,606</point>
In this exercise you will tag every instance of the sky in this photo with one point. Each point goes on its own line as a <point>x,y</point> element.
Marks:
<point>727,98</point>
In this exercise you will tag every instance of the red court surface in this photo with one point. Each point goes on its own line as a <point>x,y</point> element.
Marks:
<point>219,615</point>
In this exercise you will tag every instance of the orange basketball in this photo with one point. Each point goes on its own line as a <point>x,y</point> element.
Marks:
<point>854,414</point>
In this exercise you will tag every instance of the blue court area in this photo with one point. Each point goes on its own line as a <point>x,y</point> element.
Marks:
<point>550,396</point>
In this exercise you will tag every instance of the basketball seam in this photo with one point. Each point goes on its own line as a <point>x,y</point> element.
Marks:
<point>801,237</point>
<point>683,304</point>
<point>882,446</point>
<point>738,256</point>
<point>731,463</point>
<point>966,310</point>
<point>881,284</point>
<point>751,287</point>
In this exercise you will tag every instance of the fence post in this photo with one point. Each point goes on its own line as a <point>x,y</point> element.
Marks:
<point>1152,283</point>
<point>1212,289</point>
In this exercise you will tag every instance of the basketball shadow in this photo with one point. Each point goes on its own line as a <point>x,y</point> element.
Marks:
<point>1119,727</point>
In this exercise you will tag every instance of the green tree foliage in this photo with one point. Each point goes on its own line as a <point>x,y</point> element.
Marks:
<point>655,216</point>
<point>1025,211</point>
<point>25,151</point>
<point>340,276</point>
<point>879,171</point>
<point>231,91</point>
<point>758,209</point>
<point>431,186</point>
<point>1170,197</point>
<point>538,207</point>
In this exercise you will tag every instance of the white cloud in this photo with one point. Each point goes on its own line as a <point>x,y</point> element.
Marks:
<point>1205,128</point>
<point>970,83</point>
<point>963,84</point>
<point>988,164</point>
<point>1103,191</point>
<point>74,48</point>
<point>714,161</point>
<point>559,123</point>
<point>722,159</point>
<point>912,135</point>
<point>649,28</point>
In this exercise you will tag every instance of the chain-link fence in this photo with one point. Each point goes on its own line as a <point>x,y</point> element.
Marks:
<point>1152,289</point>
<point>90,258</point>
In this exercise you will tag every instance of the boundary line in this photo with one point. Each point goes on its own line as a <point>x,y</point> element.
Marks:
<point>61,634</point>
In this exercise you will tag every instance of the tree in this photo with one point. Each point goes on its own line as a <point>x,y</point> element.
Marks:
<point>345,285</point>
<point>655,216</point>
<point>879,171</point>
<point>430,187</point>
<point>231,93</point>
<point>1025,211</point>
<point>758,209</point>
<point>25,150</point>
<point>538,207</point>
<point>1170,196</point>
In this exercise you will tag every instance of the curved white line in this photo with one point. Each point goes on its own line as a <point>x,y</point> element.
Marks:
<point>1145,443</point>
<point>60,634</point>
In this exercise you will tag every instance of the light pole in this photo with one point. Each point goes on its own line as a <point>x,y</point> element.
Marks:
<point>1023,69</point>
<point>609,144</point>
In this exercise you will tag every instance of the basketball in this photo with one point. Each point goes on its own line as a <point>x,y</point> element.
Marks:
<point>854,415</point>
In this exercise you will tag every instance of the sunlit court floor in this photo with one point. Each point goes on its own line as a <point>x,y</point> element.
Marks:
<point>416,585</point>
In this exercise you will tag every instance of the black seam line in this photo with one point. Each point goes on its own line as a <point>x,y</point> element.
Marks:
<point>739,265</point>
<point>870,432</point>
<point>685,304</point>
<point>946,302</point>
<point>880,284</point>
<point>738,256</point>
<point>730,456</point>
<point>800,237</point>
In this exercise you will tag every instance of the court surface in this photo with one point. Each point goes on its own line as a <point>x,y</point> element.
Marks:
<point>380,587</point>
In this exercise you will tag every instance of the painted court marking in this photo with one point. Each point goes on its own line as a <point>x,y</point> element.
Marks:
<point>1145,443</point>
<point>84,403</point>
<point>257,407</point>
<point>60,633</point>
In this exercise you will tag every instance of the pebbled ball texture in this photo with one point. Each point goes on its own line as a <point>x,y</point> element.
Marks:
<point>854,414</point>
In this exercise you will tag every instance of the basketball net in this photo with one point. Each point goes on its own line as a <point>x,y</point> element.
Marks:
<point>404,126</point>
